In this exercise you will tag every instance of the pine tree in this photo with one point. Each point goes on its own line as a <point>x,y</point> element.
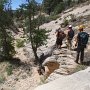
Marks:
<point>49,5</point>
<point>6,40</point>
<point>36,36</point>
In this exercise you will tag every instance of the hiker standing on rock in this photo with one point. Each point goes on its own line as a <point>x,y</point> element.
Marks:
<point>70,35</point>
<point>60,36</point>
<point>81,42</point>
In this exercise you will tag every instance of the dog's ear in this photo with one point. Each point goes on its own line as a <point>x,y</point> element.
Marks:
<point>41,70</point>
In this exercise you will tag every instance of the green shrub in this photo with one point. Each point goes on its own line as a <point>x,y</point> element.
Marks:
<point>7,45</point>
<point>59,8</point>
<point>54,17</point>
<point>65,23</point>
<point>20,43</point>
<point>73,18</point>
<point>9,70</point>
<point>2,79</point>
<point>44,19</point>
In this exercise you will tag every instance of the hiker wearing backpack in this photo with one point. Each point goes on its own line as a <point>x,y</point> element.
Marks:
<point>82,40</point>
<point>70,35</point>
<point>60,36</point>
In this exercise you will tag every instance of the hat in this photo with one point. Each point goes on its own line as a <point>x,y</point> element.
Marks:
<point>81,27</point>
<point>70,26</point>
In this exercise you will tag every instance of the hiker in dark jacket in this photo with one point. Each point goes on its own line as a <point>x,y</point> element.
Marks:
<point>60,36</point>
<point>70,35</point>
<point>82,40</point>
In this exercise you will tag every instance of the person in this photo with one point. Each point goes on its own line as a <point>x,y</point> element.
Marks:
<point>60,36</point>
<point>81,42</point>
<point>70,35</point>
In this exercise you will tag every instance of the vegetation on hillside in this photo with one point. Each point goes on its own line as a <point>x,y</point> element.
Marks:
<point>6,38</point>
<point>24,14</point>
<point>37,36</point>
<point>57,6</point>
<point>24,17</point>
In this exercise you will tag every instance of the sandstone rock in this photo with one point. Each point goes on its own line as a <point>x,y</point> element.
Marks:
<point>6,88</point>
<point>61,71</point>
<point>51,66</point>
<point>77,81</point>
<point>50,59</point>
<point>56,52</point>
<point>53,76</point>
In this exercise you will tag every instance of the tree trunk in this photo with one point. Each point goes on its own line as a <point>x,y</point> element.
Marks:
<point>35,54</point>
<point>30,32</point>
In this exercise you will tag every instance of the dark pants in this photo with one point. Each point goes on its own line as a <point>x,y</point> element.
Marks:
<point>59,42</point>
<point>80,53</point>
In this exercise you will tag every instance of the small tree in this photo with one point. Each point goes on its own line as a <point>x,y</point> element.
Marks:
<point>36,35</point>
<point>59,8</point>
<point>6,40</point>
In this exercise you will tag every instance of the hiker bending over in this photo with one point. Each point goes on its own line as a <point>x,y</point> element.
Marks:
<point>82,40</point>
<point>70,35</point>
<point>60,36</point>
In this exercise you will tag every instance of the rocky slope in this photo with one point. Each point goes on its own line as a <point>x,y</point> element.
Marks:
<point>77,81</point>
<point>66,59</point>
<point>27,78</point>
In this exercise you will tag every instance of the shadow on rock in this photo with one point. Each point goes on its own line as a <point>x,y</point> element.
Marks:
<point>86,63</point>
<point>15,61</point>
<point>87,58</point>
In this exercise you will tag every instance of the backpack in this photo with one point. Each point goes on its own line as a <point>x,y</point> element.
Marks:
<point>70,34</point>
<point>83,37</point>
<point>61,35</point>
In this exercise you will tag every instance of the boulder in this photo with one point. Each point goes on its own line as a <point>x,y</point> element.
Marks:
<point>53,77</point>
<point>51,64</point>
<point>50,59</point>
<point>76,81</point>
